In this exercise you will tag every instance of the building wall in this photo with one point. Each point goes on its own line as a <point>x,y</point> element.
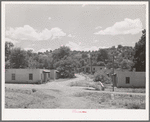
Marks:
<point>137,79</point>
<point>22,75</point>
<point>94,68</point>
<point>44,76</point>
<point>53,74</point>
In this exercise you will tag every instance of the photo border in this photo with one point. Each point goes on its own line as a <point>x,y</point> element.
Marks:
<point>94,114</point>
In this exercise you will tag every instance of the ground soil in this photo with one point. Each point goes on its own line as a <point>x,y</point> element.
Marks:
<point>57,94</point>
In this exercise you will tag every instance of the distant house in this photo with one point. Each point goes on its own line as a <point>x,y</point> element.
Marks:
<point>129,79</point>
<point>94,68</point>
<point>28,75</point>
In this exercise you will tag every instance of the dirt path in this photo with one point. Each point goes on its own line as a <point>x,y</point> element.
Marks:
<point>59,94</point>
<point>67,98</point>
<point>64,94</point>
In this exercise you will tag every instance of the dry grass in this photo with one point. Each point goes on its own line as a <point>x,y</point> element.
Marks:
<point>105,100</point>
<point>19,98</point>
<point>84,83</point>
<point>108,87</point>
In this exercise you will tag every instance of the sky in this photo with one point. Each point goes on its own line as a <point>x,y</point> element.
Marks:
<point>83,27</point>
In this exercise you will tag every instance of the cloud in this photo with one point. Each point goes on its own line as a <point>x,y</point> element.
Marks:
<point>44,50</point>
<point>10,40</point>
<point>28,33</point>
<point>128,26</point>
<point>49,18</point>
<point>69,35</point>
<point>79,47</point>
<point>98,27</point>
<point>57,33</point>
<point>32,45</point>
<point>29,49</point>
<point>73,46</point>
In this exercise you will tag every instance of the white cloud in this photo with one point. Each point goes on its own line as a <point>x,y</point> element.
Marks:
<point>29,33</point>
<point>128,26</point>
<point>49,18</point>
<point>57,33</point>
<point>75,46</point>
<point>98,27</point>
<point>69,35</point>
<point>10,40</point>
<point>32,45</point>
<point>44,50</point>
<point>29,49</point>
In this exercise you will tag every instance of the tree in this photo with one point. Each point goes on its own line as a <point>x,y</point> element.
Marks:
<point>102,55</point>
<point>8,47</point>
<point>100,63</point>
<point>18,58</point>
<point>140,49</point>
<point>84,55</point>
<point>124,64</point>
<point>120,46</point>
<point>65,68</point>
<point>33,64</point>
<point>60,53</point>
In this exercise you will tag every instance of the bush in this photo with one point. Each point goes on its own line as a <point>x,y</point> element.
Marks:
<point>33,90</point>
<point>101,76</point>
<point>133,106</point>
<point>65,68</point>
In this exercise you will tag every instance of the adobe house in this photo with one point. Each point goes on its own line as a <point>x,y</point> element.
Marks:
<point>27,75</point>
<point>94,68</point>
<point>129,79</point>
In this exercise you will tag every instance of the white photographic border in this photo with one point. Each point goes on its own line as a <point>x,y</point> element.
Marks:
<point>68,114</point>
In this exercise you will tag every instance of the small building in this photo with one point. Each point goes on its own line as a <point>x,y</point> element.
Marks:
<point>54,74</point>
<point>94,68</point>
<point>27,75</point>
<point>130,79</point>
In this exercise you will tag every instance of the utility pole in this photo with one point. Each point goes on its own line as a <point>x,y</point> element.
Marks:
<point>113,73</point>
<point>90,59</point>
<point>91,65</point>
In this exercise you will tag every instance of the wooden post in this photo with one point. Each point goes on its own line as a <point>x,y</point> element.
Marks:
<point>113,72</point>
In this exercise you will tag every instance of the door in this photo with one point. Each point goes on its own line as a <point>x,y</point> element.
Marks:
<point>45,79</point>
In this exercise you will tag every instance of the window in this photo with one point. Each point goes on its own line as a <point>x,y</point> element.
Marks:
<point>30,76</point>
<point>127,80</point>
<point>13,76</point>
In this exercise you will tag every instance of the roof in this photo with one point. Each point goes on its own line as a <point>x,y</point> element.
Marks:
<point>46,71</point>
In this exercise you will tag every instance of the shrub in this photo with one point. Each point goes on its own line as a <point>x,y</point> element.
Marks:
<point>103,99</point>
<point>65,68</point>
<point>133,106</point>
<point>101,76</point>
<point>33,90</point>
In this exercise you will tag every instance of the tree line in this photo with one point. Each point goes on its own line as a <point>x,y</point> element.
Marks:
<point>68,62</point>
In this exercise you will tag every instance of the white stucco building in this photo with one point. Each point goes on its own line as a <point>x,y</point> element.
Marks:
<point>130,79</point>
<point>94,68</point>
<point>29,75</point>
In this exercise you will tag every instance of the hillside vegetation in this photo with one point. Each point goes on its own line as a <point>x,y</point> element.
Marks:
<point>68,62</point>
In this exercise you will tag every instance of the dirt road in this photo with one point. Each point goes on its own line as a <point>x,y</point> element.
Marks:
<point>59,94</point>
<point>53,94</point>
